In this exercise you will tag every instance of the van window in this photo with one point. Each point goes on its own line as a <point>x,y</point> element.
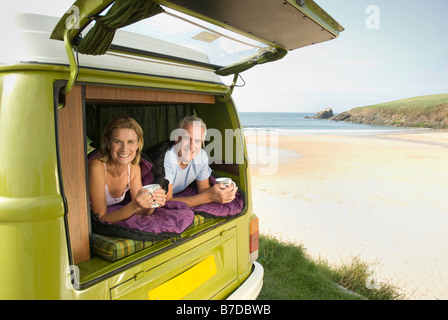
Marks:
<point>220,46</point>
<point>201,43</point>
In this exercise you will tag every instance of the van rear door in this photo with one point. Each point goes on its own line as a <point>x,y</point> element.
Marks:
<point>235,35</point>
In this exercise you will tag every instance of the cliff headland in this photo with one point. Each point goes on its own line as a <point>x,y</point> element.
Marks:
<point>424,112</point>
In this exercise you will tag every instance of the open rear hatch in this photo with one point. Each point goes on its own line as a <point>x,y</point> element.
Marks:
<point>226,36</point>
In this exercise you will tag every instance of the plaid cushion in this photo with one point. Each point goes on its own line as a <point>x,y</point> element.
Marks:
<point>198,220</point>
<point>113,249</point>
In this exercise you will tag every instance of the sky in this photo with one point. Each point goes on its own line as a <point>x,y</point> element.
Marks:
<point>405,55</point>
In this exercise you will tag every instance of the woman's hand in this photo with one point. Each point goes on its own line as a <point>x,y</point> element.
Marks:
<point>143,199</point>
<point>159,196</point>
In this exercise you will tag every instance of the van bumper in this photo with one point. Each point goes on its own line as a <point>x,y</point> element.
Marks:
<point>251,287</point>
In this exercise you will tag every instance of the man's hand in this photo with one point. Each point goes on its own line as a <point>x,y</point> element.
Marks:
<point>216,193</point>
<point>222,194</point>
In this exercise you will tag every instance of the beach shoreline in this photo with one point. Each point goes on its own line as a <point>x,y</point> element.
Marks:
<point>376,197</point>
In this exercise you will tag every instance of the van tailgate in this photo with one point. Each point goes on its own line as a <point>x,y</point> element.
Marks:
<point>200,272</point>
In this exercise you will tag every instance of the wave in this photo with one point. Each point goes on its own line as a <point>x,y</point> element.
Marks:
<point>339,131</point>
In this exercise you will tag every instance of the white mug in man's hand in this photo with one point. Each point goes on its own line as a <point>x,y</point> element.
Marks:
<point>225,181</point>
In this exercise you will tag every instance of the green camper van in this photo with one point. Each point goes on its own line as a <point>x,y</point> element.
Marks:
<point>63,78</point>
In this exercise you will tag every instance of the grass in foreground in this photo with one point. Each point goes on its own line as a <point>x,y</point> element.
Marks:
<point>291,275</point>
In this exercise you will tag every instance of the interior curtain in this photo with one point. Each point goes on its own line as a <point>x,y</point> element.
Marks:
<point>122,13</point>
<point>157,121</point>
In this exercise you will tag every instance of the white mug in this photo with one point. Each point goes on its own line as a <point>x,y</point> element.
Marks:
<point>151,188</point>
<point>225,181</point>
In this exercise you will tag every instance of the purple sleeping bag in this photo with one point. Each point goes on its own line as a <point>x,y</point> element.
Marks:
<point>214,209</point>
<point>168,221</point>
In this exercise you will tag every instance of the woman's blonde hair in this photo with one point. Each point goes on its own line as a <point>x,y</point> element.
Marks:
<point>121,122</point>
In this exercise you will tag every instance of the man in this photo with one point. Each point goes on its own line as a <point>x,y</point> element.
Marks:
<point>186,162</point>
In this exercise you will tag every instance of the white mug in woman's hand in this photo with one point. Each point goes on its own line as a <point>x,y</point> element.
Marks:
<point>151,188</point>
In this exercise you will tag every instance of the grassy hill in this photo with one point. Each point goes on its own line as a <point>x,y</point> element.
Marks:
<point>425,111</point>
<point>422,103</point>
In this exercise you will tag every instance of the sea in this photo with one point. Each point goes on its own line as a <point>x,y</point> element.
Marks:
<point>270,124</point>
<point>298,123</point>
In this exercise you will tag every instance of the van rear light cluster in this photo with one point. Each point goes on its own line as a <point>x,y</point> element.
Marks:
<point>253,239</point>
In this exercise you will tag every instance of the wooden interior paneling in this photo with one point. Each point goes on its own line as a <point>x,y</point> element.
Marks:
<point>127,95</point>
<point>72,145</point>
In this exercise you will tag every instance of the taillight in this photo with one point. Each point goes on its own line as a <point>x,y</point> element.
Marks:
<point>253,239</point>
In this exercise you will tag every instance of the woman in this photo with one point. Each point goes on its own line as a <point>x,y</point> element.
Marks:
<point>116,170</point>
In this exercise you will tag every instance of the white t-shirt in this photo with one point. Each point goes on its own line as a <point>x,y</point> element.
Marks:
<point>197,169</point>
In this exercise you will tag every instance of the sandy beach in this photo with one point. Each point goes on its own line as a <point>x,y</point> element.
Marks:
<point>381,198</point>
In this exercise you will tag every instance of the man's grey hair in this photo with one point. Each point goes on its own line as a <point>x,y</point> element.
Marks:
<point>192,120</point>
